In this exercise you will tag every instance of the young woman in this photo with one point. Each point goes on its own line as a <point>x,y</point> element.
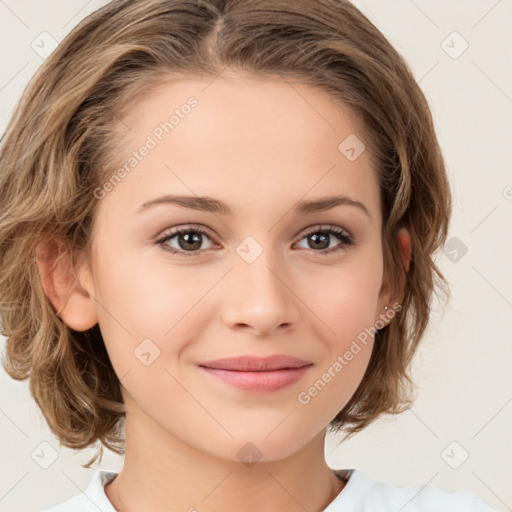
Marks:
<point>219,223</point>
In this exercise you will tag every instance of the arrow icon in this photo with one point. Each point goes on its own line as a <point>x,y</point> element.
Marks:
<point>146,352</point>
<point>455,249</point>
<point>351,147</point>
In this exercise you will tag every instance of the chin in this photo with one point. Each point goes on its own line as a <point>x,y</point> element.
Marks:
<point>258,445</point>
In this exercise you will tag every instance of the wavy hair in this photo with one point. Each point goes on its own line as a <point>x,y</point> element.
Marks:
<point>60,146</point>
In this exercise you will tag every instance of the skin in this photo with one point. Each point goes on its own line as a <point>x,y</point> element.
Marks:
<point>260,146</point>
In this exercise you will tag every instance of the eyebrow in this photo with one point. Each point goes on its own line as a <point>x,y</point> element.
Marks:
<point>208,204</point>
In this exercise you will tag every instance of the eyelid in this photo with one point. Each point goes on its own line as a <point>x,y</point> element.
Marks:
<point>323,227</point>
<point>192,227</point>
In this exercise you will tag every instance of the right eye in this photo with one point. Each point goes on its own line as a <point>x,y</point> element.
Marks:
<point>188,241</point>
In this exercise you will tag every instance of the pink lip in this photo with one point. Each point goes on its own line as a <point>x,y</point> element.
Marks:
<point>259,381</point>
<point>256,373</point>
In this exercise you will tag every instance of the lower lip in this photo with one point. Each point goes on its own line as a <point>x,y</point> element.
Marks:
<point>259,381</point>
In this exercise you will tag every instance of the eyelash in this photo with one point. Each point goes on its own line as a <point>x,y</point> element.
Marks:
<point>345,238</point>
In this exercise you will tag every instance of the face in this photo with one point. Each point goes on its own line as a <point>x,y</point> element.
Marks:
<point>260,275</point>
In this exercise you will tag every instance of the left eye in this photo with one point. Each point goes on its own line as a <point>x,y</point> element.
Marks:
<point>322,235</point>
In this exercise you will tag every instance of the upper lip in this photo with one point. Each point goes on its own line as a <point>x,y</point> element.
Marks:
<point>255,363</point>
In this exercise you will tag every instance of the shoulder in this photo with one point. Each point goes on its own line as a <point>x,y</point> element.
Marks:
<point>362,494</point>
<point>92,499</point>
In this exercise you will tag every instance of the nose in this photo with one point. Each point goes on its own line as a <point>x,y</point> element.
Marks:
<point>258,298</point>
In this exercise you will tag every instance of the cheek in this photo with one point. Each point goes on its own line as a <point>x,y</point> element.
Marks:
<point>346,298</point>
<point>142,301</point>
<point>346,301</point>
<point>150,299</point>
<point>334,382</point>
<point>347,307</point>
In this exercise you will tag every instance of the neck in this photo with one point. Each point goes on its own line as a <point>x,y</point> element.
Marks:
<point>162,473</point>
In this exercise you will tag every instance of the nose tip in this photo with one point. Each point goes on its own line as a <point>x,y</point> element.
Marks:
<point>260,300</point>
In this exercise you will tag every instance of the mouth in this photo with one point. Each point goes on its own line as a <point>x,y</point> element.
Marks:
<point>256,374</point>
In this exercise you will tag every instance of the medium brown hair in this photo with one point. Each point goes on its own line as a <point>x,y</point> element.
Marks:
<point>60,146</point>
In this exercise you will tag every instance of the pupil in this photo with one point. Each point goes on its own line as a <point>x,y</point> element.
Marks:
<point>193,239</point>
<point>315,237</point>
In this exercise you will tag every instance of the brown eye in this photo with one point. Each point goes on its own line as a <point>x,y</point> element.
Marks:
<point>320,239</point>
<point>187,241</point>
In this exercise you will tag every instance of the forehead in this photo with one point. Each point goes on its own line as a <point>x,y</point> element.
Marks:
<point>252,141</point>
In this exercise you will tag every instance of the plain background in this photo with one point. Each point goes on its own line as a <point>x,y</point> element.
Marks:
<point>457,434</point>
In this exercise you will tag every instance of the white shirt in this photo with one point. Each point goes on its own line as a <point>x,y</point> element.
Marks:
<point>360,494</point>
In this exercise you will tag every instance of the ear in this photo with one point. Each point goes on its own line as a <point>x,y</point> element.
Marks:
<point>404,242</point>
<point>73,300</point>
<point>385,298</point>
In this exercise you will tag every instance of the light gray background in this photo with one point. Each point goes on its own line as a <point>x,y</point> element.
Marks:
<point>463,368</point>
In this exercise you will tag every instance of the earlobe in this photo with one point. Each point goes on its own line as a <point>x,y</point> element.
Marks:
<point>73,303</point>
